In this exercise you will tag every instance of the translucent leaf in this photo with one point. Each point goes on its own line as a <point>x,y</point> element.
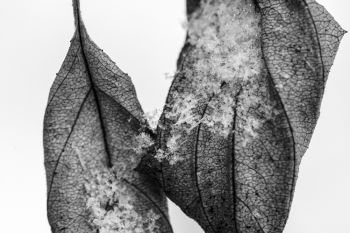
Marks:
<point>242,109</point>
<point>91,121</point>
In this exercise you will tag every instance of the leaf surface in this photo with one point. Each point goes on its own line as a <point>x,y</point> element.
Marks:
<point>91,121</point>
<point>244,181</point>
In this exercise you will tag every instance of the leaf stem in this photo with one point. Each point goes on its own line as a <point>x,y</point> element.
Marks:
<point>76,11</point>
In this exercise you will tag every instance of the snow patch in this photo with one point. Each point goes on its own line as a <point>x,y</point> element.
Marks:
<point>111,206</point>
<point>227,57</point>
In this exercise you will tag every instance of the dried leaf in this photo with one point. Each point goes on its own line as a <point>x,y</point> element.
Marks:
<point>91,122</point>
<point>242,109</point>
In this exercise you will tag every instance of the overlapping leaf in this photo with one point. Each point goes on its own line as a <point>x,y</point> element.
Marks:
<point>91,121</point>
<point>229,184</point>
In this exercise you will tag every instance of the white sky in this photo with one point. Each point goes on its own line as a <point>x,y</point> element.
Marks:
<point>144,39</point>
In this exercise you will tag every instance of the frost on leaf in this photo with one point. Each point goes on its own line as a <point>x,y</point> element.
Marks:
<point>91,125</point>
<point>225,59</point>
<point>142,142</point>
<point>112,207</point>
<point>242,108</point>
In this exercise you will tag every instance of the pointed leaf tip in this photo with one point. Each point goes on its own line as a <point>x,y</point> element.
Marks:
<point>242,108</point>
<point>91,122</point>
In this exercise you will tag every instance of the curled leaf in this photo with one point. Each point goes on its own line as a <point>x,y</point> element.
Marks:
<point>91,122</point>
<point>242,108</point>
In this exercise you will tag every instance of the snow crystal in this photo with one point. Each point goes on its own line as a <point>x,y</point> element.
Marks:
<point>111,205</point>
<point>143,141</point>
<point>227,58</point>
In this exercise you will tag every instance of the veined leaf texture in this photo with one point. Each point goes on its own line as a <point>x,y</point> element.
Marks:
<point>91,120</point>
<point>237,121</point>
<point>242,108</point>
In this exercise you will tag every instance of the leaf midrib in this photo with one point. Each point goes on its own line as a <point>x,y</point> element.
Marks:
<point>196,166</point>
<point>152,201</point>
<point>89,74</point>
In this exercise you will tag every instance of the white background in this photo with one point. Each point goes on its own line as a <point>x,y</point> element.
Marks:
<point>144,39</point>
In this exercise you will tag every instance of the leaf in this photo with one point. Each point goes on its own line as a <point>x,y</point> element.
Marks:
<point>192,5</point>
<point>242,109</point>
<point>91,121</point>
